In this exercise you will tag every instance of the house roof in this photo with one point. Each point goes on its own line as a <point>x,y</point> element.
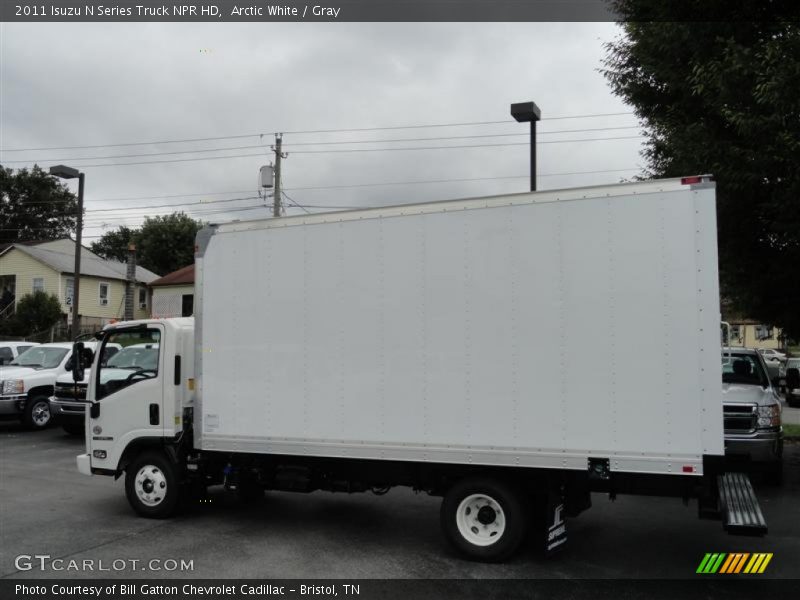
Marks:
<point>29,243</point>
<point>60,256</point>
<point>184,276</point>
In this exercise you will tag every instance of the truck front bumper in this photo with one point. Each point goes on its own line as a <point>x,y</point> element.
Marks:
<point>68,409</point>
<point>757,447</point>
<point>12,405</point>
<point>84,464</point>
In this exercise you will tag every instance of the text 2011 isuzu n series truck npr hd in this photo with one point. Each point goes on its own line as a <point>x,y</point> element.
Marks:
<point>511,354</point>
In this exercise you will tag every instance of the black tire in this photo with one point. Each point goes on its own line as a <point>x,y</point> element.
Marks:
<point>73,427</point>
<point>471,505</point>
<point>151,485</point>
<point>37,413</point>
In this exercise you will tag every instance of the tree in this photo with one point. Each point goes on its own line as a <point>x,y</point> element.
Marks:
<point>113,245</point>
<point>163,243</point>
<point>37,312</point>
<point>721,98</point>
<point>34,206</point>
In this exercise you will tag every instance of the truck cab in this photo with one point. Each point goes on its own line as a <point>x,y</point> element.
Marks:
<point>133,405</point>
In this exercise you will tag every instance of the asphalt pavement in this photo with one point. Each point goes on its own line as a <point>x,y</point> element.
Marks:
<point>48,508</point>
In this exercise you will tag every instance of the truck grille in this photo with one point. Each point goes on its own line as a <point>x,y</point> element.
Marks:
<point>67,391</point>
<point>740,418</point>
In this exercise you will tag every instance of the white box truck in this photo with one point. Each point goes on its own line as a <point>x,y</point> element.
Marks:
<point>511,354</point>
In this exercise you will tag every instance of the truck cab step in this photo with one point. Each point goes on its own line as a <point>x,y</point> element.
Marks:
<point>738,505</point>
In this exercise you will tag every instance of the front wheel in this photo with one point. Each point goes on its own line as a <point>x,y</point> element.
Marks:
<point>151,485</point>
<point>37,413</point>
<point>484,519</point>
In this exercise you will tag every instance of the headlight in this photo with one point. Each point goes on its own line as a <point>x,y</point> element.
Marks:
<point>13,386</point>
<point>769,416</point>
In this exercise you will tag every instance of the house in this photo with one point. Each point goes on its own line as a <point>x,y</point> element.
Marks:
<point>49,266</point>
<point>749,333</point>
<point>173,294</point>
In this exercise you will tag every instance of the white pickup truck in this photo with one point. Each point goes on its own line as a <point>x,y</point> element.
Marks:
<point>26,384</point>
<point>752,413</point>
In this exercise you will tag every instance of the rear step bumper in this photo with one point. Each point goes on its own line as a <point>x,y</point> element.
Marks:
<point>738,505</point>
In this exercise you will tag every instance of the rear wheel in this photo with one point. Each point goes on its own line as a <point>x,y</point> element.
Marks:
<point>484,519</point>
<point>37,413</point>
<point>151,485</point>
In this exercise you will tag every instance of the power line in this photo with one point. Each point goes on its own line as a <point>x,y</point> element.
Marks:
<point>285,195</point>
<point>299,132</point>
<point>318,187</point>
<point>200,203</point>
<point>319,143</point>
<point>194,159</point>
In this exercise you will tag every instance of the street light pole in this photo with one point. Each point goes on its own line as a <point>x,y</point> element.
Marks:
<point>76,286</point>
<point>65,172</point>
<point>528,111</point>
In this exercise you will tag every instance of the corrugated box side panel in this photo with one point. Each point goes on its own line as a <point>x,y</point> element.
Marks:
<point>530,334</point>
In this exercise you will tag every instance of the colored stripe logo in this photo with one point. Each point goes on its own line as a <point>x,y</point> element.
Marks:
<point>734,562</point>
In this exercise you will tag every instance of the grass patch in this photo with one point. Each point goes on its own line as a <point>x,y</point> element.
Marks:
<point>790,429</point>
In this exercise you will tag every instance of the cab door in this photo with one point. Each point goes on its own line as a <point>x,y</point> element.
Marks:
<point>127,399</point>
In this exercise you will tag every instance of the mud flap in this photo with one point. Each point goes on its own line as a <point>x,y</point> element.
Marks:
<point>557,529</point>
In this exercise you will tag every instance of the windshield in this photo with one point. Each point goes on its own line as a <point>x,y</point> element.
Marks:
<point>135,358</point>
<point>40,357</point>
<point>743,369</point>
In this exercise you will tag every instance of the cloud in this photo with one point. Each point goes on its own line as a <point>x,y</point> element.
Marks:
<point>80,84</point>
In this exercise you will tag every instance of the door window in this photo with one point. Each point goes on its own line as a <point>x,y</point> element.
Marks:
<point>137,361</point>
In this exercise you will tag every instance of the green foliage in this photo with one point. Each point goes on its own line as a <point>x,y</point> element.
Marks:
<point>34,206</point>
<point>37,312</point>
<point>113,245</point>
<point>722,98</point>
<point>163,243</point>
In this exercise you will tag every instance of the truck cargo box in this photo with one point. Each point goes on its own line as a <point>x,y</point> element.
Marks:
<point>536,330</point>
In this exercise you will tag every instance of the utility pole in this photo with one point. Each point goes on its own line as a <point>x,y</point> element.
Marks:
<point>276,204</point>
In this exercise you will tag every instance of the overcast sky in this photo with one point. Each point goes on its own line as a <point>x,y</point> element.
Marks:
<point>98,84</point>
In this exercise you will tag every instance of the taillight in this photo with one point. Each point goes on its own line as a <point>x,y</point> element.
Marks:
<point>696,179</point>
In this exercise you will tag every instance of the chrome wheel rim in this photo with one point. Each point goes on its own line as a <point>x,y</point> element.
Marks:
<point>40,413</point>
<point>151,485</point>
<point>480,520</point>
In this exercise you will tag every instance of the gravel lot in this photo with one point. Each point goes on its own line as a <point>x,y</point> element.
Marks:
<point>47,507</point>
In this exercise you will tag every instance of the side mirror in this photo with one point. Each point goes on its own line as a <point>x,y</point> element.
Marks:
<point>78,364</point>
<point>793,378</point>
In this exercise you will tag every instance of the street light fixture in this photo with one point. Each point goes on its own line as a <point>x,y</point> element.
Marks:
<point>65,172</point>
<point>524,112</point>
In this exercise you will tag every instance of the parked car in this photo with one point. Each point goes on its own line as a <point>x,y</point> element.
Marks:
<point>68,403</point>
<point>752,413</point>
<point>11,350</point>
<point>771,355</point>
<point>27,382</point>
<point>791,395</point>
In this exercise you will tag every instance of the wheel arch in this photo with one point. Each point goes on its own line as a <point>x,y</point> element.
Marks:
<point>136,447</point>
<point>41,390</point>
